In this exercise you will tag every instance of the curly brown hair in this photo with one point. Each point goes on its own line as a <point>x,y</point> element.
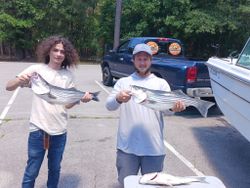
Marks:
<point>43,50</point>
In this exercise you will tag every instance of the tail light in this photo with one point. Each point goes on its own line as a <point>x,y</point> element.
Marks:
<point>191,74</point>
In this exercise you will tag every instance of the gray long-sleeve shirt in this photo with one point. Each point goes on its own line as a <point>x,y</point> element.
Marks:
<point>140,130</point>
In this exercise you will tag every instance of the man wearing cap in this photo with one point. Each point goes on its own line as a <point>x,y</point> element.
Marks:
<point>140,137</point>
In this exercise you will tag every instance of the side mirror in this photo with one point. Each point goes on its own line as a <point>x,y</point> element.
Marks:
<point>130,50</point>
<point>111,51</point>
<point>216,47</point>
<point>234,54</point>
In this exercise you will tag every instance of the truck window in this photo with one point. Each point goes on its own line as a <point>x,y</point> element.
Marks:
<point>123,47</point>
<point>166,48</point>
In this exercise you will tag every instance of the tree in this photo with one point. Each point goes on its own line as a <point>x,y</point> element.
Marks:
<point>90,24</point>
<point>24,23</point>
<point>199,24</point>
<point>16,21</point>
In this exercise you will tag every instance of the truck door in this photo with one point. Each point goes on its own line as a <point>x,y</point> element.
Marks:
<point>123,65</point>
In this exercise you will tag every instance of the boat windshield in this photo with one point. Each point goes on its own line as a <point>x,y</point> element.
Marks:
<point>244,58</point>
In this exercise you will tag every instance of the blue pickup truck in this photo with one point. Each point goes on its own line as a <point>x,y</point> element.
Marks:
<point>169,62</point>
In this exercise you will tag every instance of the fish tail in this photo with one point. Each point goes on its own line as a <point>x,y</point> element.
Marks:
<point>95,96</point>
<point>203,107</point>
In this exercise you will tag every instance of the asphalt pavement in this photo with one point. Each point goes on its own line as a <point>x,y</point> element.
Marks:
<point>195,145</point>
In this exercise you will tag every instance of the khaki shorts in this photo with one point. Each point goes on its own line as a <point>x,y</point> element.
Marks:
<point>130,164</point>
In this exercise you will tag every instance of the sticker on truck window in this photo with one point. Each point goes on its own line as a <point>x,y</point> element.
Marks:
<point>174,48</point>
<point>154,47</point>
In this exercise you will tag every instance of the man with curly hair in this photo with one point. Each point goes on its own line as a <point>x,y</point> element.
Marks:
<point>48,122</point>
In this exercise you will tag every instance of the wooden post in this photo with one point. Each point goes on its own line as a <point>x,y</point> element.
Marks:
<point>117,23</point>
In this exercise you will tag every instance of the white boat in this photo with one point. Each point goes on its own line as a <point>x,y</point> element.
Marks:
<point>230,80</point>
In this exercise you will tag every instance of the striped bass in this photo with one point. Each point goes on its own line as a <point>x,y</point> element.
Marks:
<point>160,178</point>
<point>54,94</point>
<point>161,100</point>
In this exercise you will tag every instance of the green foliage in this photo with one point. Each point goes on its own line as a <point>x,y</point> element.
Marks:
<point>25,23</point>
<point>16,21</point>
<point>90,24</point>
<point>106,19</point>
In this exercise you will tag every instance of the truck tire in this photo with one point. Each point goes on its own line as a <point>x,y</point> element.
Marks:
<point>107,78</point>
<point>157,74</point>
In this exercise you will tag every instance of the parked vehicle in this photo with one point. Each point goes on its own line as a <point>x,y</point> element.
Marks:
<point>230,80</point>
<point>169,62</point>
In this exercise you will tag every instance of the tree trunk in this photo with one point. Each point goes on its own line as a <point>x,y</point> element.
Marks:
<point>9,51</point>
<point>1,48</point>
<point>117,23</point>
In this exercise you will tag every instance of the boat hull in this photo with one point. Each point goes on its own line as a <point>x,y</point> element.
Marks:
<point>231,89</point>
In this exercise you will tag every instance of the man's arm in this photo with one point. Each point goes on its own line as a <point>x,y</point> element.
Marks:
<point>86,98</point>
<point>118,96</point>
<point>68,106</point>
<point>12,84</point>
<point>21,81</point>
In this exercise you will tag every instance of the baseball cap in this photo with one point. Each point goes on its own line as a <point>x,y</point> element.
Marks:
<point>142,48</point>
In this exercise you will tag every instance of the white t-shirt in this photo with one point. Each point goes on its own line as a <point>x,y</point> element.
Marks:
<point>140,130</point>
<point>52,118</point>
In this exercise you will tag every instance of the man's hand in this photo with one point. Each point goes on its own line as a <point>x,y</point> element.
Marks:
<point>123,96</point>
<point>24,80</point>
<point>178,106</point>
<point>87,97</point>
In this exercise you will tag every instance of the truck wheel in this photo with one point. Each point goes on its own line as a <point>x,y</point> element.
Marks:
<point>107,78</point>
<point>157,74</point>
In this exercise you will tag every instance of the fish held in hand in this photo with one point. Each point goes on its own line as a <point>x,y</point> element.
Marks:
<point>54,94</point>
<point>161,100</point>
<point>160,178</point>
